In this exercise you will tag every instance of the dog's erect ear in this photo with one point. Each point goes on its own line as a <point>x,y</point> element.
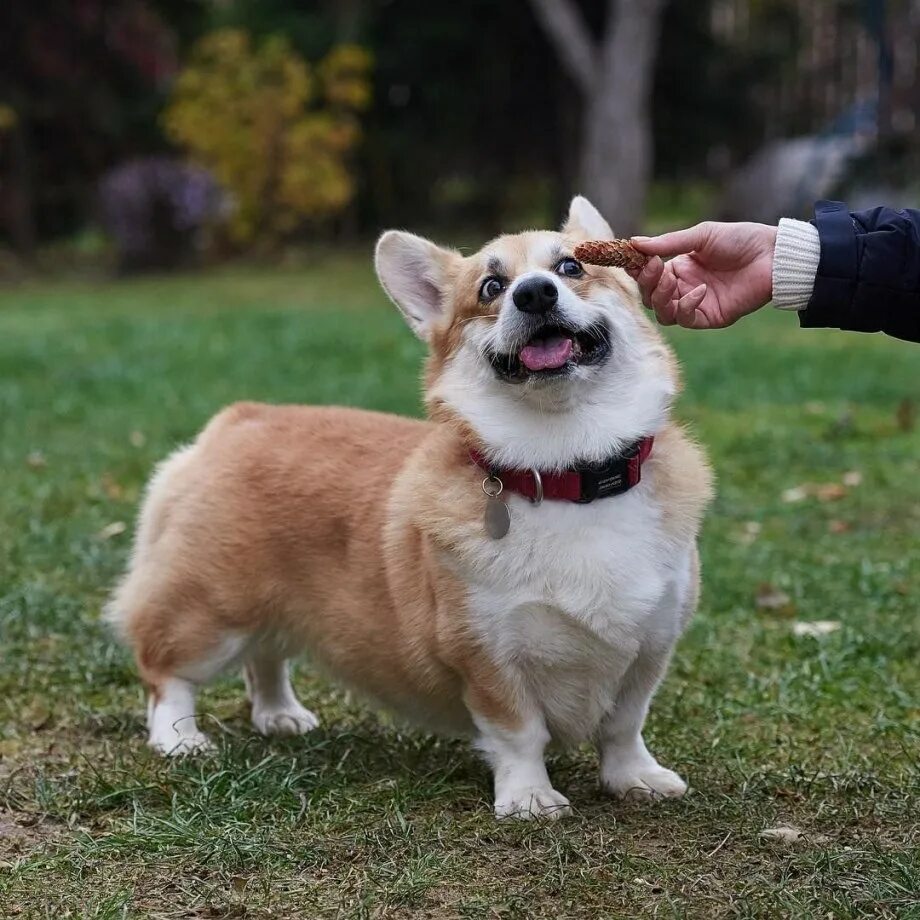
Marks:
<point>585,221</point>
<point>414,272</point>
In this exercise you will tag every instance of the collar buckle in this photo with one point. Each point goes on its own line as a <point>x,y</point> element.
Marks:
<point>607,479</point>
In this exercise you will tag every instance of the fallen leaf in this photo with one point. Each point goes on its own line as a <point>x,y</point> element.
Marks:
<point>771,598</point>
<point>786,833</point>
<point>749,533</point>
<point>10,747</point>
<point>112,530</point>
<point>852,478</point>
<point>37,716</point>
<point>36,460</point>
<point>795,494</point>
<point>815,627</point>
<point>137,439</point>
<point>815,408</point>
<point>111,488</point>
<point>830,491</point>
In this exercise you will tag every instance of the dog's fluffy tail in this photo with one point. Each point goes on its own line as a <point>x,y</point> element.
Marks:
<point>160,496</point>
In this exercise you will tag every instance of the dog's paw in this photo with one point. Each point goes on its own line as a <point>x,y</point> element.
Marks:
<point>529,802</point>
<point>182,746</point>
<point>643,782</point>
<point>292,719</point>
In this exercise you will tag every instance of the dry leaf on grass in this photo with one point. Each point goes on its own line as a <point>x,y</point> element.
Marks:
<point>36,460</point>
<point>137,439</point>
<point>111,488</point>
<point>823,491</point>
<point>830,491</point>
<point>749,533</point>
<point>112,530</point>
<point>795,494</point>
<point>815,628</point>
<point>37,716</point>
<point>786,833</point>
<point>769,597</point>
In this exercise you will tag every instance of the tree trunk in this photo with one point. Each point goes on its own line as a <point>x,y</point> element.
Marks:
<point>616,160</point>
<point>20,200</point>
<point>615,77</point>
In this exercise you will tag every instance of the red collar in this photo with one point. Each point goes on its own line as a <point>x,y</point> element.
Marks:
<point>585,483</point>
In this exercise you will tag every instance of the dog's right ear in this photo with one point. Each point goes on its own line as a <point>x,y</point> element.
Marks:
<point>414,272</point>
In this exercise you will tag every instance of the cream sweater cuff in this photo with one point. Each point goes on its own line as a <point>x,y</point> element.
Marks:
<point>795,264</point>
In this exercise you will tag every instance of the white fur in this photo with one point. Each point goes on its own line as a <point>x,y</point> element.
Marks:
<point>594,413</point>
<point>171,720</point>
<point>410,269</point>
<point>275,708</point>
<point>580,605</point>
<point>581,608</point>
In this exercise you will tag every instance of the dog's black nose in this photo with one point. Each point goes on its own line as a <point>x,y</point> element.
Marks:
<point>536,295</point>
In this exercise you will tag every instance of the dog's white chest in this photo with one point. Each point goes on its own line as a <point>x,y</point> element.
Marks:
<point>565,601</point>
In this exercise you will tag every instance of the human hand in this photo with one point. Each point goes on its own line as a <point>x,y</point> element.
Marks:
<point>719,273</point>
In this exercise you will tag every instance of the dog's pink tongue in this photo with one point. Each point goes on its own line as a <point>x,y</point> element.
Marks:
<point>548,353</point>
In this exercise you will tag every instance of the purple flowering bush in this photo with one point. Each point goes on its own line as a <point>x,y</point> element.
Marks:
<point>159,212</point>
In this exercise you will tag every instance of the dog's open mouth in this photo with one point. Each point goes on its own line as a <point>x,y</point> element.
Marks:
<point>553,351</point>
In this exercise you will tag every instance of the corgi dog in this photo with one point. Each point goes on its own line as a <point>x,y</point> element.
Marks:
<point>517,568</point>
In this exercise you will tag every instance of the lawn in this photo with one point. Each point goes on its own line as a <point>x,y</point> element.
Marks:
<point>817,519</point>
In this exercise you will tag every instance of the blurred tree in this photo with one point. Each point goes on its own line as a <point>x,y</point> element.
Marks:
<point>273,131</point>
<point>615,77</point>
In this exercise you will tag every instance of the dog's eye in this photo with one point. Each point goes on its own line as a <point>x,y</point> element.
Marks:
<point>491,288</point>
<point>571,268</point>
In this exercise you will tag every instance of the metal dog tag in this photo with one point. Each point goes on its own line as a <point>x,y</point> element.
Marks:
<point>497,516</point>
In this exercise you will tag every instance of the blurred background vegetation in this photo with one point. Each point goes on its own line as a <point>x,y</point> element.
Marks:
<point>140,134</point>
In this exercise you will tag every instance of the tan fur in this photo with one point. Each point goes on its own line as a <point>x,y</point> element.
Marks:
<point>333,530</point>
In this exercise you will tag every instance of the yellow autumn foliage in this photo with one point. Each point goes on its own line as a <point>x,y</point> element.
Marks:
<point>275,132</point>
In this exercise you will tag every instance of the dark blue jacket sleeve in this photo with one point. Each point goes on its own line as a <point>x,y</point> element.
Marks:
<point>869,275</point>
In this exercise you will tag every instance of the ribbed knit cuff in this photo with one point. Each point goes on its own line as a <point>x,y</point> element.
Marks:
<point>795,264</point>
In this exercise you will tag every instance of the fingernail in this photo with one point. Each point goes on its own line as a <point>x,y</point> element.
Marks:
<point>639,239</point>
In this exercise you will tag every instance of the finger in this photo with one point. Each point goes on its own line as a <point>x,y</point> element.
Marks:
<point>648,278</point>
<point>686,312</point>
<point>667,314</point>
<point>672,244</point>
<point>665,292</point>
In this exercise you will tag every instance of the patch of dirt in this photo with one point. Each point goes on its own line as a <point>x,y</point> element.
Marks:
<point>22,833</point>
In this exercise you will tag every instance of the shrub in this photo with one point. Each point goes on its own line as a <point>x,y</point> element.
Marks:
<point>275,132</point>
<point>158,211</point>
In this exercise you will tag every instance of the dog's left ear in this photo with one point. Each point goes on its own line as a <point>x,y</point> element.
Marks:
<point>414,272</point>
<point>585,222</point>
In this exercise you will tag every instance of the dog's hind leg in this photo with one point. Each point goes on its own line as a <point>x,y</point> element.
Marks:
<point>275,708</point>
<point>171,719</point>
<point>171,704</point>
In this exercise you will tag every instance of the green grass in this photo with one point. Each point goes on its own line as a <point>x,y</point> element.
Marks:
<point>366,819</point>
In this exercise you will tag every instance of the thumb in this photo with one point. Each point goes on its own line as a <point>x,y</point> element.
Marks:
<point>673,244</point>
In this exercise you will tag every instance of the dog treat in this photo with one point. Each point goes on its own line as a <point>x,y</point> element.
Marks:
<point>617,253</point>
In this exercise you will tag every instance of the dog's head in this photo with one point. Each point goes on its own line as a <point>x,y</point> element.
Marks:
<point>547,360</point>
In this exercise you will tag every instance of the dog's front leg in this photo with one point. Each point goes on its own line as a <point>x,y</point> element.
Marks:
<point>628,770</point>
<point>513,743</point>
